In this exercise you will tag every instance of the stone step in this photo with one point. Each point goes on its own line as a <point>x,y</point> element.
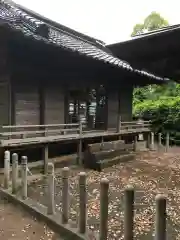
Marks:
<point>116,160</point>
<point>109,154</point>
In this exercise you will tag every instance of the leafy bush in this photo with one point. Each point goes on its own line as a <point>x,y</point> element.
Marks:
<point>163,112</point>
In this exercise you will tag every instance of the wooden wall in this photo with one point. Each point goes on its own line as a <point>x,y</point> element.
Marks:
<point>5,111</point>
<point>120,101</point>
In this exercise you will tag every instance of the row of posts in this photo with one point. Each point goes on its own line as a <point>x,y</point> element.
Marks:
<point>152,142</point>
<point>160,220</point>
<point>15,173</point>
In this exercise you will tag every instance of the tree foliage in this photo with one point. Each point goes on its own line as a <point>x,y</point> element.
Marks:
<point>158,103</point>
<point>152,22</point>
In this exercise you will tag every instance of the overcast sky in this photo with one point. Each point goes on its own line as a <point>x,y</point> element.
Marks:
<point>108,20</point>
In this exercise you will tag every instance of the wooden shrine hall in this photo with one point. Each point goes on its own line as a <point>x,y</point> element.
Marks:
<point>53,78</point>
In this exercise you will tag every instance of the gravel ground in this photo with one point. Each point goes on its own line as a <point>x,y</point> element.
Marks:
<point>151,173</point>
<point>15,224</point>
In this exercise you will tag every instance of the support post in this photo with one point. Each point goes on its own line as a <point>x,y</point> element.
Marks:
<point>128,213</point>
<point>50,176</point>
<point>14,172</point>
<point>160,219</point>
<point>24,177</point>
<point>149,141</point>
<point>45,157</point>
<point>80,144</point>
<point>167,142</point>
<point>65,196</point>
<point>104,209</point>
<point>82,202</point>
<point>6,169</point>
<point>135,143</point>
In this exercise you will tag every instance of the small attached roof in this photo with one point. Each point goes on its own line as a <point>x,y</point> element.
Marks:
<point>156,51</point>
<point>33,25</point>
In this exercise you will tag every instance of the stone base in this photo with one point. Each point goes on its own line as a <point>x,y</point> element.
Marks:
<point>141,146</point>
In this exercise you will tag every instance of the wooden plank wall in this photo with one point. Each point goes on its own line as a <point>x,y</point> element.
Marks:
<point>113,106</point>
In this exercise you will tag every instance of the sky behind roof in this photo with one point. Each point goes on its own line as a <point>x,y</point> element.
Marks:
<point>108,20</point>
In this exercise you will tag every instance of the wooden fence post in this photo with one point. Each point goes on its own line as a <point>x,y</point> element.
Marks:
<point>128,213</point>
<point>15,171</point>
<point>45,157</point>
<point>159,140</point>
<point>24,176</point>
<point>65,195</point>
<point>80,144</point>
<point>167,142</point>
<point>160,218</point>
<point>82,202</point>
<point>104,209</point>
<point>51,204</point>
<point>6,169</point>
<point>152,141</point>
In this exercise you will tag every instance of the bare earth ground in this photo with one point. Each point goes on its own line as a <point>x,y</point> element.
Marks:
<point>17,225</point>
<point>150,173</point>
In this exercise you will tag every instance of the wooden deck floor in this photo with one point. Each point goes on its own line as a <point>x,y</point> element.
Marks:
<point>68,137</point>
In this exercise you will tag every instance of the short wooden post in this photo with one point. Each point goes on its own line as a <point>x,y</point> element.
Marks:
<point>6,169</point>
<point>24,176</point>
<point>14,172</point>
<point>104,209</point>
<point>167,142</point>
<point>65,195</point>
<point>128,213</point>
<point>50,176</point>
<point>46,157</point>
<point>160,218</point>
<point>80,143</point>
<point>152,141</point>
<point>159,140</point>
<point>82,202</point>
<point>135,143</point>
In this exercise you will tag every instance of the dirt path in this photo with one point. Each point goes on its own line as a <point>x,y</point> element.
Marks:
<point>150,174</point>
<point>15,224</point>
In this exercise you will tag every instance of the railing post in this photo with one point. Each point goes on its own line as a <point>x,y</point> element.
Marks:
<point>80,143</point>
<point>167,142</point>
<point>24,176</point>
<point>14,172</point>
<point>50,176</point>
<point>104,209</point>
<point>65,194</point>
<point>82,202</point>
<point>128,213</point>
<point>160,219</point>
<point>6,169</point>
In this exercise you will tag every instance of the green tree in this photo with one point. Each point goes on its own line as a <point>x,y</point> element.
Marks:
<point>152,22</point>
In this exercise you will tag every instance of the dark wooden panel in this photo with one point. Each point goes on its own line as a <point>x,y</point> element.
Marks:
<point>4,103</point>
<point>113,103</point>
<point>126,95</point>
<point>27,106</point>
<point>54,105</point>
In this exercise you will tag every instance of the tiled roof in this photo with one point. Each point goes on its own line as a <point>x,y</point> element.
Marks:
<point>34,27</point>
